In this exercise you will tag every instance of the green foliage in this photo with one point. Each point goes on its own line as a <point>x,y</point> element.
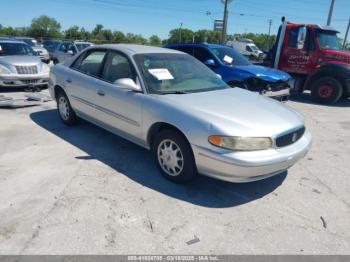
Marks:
<point>45,26</point>
<point>155,41</point>
<point>185,34</point>
<point>118,37</point>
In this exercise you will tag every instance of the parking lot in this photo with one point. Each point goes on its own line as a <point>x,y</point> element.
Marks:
<point>82,190</point>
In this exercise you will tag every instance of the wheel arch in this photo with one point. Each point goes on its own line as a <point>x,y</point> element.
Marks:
<point>58,89</point>
<point>328,70</point>
<point>158,127</point>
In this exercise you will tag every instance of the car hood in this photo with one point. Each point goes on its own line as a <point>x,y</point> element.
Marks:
<point>39,48</point>
<point>238,112</point>
<point>264,73</point>
<point>19,60</point>
<point>343,56</point>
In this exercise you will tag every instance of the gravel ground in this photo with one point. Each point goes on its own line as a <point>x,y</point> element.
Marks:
<point>82,190</point>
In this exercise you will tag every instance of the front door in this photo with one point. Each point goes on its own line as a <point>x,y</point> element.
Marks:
<point>298,54</point>
<point>119,108</point>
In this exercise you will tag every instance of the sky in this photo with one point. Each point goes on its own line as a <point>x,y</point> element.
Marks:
<point>148,17</point>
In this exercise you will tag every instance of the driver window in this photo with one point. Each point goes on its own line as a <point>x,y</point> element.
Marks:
<point>63,48</point>
<point>117,66</point>
<point>202,54</point>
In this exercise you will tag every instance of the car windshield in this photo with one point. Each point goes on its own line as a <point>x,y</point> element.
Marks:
<point>254,48</point>
<point>229,56</point>
<point>30,42</point>
<point>7,49</point>
<point>82,46</point>
<point>51,45</point>
<point>176,74</point>
<point>328,40</point>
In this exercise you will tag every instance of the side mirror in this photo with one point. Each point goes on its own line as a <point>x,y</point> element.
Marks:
<point>210,62</point>
<point>70,52</point>
<point>301,37</point>
<point>127,83</point>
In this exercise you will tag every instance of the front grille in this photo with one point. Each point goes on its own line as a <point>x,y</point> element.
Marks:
<point>27,70</point>
<point>31,81</point>
<point>290,138</point>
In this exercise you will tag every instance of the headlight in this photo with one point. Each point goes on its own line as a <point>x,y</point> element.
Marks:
<point>4,70</point>
<point>241,143</point>
<point>45,69</point>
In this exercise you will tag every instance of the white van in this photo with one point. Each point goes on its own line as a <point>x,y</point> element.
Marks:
<point>247,48</point>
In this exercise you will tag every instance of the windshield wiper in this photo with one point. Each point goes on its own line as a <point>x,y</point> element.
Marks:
<point>173,93</point>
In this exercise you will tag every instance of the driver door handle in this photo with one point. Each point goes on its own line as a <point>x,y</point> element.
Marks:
<point>101,93</point>
<point>68,80</point>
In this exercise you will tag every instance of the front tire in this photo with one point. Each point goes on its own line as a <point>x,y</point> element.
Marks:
<point>174,157</point>
<point>65,110</point>
<point>326,90</point>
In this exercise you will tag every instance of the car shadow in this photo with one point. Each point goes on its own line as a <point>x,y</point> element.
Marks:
<point>306,98</point>
<point>136,163</point>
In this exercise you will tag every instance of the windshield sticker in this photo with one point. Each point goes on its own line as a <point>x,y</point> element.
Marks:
<point>228,59</point>
<point>161,74</point>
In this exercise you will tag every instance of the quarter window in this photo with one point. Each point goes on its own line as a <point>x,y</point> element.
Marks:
<point>91,64</point>
<point>117,66</point>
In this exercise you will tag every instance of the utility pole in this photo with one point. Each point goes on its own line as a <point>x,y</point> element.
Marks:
<point>346,35</point>
<point>330,13</point>
<point>224,28</point>
<point>181,33</point>
<point>268,39</point>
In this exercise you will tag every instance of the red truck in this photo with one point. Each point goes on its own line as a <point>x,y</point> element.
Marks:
<point>313,56</point>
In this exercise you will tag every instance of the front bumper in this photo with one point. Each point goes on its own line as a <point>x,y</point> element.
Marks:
<point>281,95</point>
<point>24,80</point>
<point>242,167</point>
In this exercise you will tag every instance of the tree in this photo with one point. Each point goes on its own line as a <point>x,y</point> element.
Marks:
<point>118,37</point>
<point>155,40</point>
<point>45,26</point>
<point>186,36</point>
<point>135,39</point>
<point>207,36</point>
<point>73,32</point>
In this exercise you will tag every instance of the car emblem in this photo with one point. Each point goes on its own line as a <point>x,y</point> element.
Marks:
<point>295,136</point>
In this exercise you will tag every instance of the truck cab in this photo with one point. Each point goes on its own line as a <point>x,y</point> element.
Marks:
<point>313,56</point>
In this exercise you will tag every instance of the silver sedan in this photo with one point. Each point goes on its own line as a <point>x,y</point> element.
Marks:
<point>173,105</point>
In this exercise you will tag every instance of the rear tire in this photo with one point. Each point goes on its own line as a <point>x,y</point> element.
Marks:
<point>326,90</point>
<point>65,110</point>
<point>174,157</point>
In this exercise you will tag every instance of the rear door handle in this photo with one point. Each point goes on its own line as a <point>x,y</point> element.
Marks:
<point>68,80</point>
<point>101,93</point>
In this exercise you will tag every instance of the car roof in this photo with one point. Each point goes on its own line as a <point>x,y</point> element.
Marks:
<point>133,49</point>
<point>10,40</point>
<point>31,38</point>
<point>196,44</point>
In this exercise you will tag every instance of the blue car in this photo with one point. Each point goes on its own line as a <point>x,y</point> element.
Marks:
<point>238,71</point>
